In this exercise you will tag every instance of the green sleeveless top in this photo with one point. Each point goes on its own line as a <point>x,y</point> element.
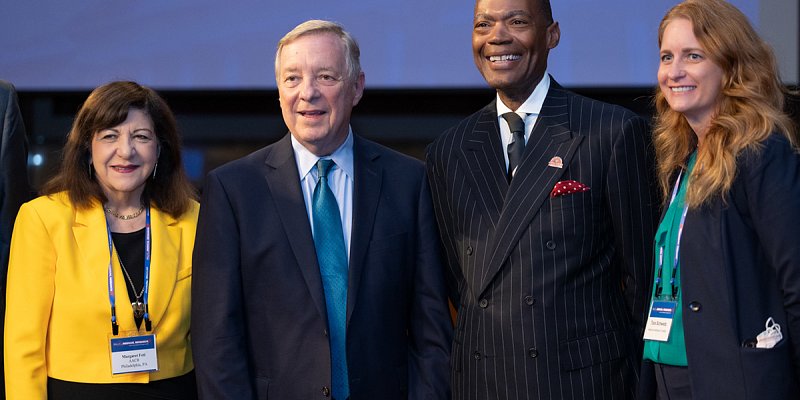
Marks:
<point>673,351</point>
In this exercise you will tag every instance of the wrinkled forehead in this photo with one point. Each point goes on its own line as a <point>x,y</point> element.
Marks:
<point>315,40</point>
<point>535,8</point>
<point>322,49</point>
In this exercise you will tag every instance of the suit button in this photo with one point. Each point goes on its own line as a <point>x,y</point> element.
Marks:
<point>483,303</point>
<point>695,306</point>
<point>476,355</point>
<point>325,391</point>
<point>551,245</point>
<point>325,332</point>
<point>533,353</point>
<point>529,300</point>
<point>469,250</point>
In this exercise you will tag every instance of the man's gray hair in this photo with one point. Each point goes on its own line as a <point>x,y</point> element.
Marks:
<point>317,26</point>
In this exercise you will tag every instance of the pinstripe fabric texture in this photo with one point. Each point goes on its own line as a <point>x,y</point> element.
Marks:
<point>551,293</point>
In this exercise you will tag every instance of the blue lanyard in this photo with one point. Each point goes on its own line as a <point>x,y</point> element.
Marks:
<point>112,297</point>
<point>659,285</point>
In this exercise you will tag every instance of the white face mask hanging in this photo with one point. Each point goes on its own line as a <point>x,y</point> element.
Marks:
<point>771,335</point>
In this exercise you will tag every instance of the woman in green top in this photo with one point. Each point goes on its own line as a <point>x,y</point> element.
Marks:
<point>725,310</point>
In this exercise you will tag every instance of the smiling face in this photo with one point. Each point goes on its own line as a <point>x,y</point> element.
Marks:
<point>316,94</point>
<point>690,81</point>
<point>510,43</point>
<point>124,156</point>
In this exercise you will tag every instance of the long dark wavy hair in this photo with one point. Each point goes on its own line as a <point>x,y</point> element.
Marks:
<point>107,106</point>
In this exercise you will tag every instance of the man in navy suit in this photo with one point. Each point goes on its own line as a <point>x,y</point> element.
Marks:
<point>265,322</point>
<point>545,205</point>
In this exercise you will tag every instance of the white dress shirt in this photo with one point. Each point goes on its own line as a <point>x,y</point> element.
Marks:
<point>340,180</point>
<point>528,111</point>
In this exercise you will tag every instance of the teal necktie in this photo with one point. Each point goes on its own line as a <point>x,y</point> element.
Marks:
<point>332,258</point>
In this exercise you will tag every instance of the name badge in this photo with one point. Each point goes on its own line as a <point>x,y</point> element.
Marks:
<point>659,323</point>
<point>133,354</point>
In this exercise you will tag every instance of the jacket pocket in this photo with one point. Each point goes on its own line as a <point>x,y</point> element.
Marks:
<point>391,243</point>
<point>184,273</point>
<point>591,350</point>
<point>570,201</point>
<point>262,388</point>
<point>401,373</point>
<point>769,371</point>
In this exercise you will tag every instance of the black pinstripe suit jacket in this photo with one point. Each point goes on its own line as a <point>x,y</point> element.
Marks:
<point>551,293</point>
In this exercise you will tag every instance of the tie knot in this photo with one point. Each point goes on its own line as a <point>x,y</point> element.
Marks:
<point>515,123</point>
<point>324,166</point>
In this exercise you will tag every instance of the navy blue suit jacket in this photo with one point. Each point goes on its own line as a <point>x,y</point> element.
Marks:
<point>259,324</point>
<point>14,188</point>
<point>740,264</point>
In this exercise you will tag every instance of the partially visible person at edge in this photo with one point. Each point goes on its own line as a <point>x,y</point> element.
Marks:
<point>546,208</point>
<point>14,189</point>
<point>727,259</point>
<point>100,269</point>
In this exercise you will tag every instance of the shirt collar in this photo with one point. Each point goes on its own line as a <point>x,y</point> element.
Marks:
<point>342,156</point>
<point>533,104</point>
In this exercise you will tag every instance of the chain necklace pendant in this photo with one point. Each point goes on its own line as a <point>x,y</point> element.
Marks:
<point>138,309</point>
<point>138,306</point>
<point>125,217</point>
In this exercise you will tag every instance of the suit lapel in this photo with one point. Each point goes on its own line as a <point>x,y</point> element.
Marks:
<point>483,158</point>
<point>91,240</point>
<point>284,186</point>
<point>551,137</point>
<point>166,246</point>
<point>366,196</point>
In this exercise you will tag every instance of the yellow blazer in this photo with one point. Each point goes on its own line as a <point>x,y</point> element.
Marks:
<point>58,315</point>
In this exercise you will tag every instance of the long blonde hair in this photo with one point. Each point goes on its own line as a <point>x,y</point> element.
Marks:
<point>750,107</point>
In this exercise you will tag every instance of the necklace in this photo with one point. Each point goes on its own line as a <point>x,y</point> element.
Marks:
<point>125,217</point>
<point>138,306</point>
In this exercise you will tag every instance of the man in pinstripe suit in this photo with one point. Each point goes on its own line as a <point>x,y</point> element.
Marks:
<point>550,265</point>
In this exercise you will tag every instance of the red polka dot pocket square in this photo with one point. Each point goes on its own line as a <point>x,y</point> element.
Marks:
<point>568,187</point>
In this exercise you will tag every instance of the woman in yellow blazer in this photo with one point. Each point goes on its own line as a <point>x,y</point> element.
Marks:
<point>100,268</point>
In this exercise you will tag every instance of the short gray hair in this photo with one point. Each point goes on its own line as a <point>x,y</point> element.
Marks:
<point>317,26</point>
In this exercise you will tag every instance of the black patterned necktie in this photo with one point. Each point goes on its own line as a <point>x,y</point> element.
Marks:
<point>517,145</point>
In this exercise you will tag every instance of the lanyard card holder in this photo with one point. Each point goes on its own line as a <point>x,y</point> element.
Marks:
<point>659,321</point>
<point>131,354</point>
